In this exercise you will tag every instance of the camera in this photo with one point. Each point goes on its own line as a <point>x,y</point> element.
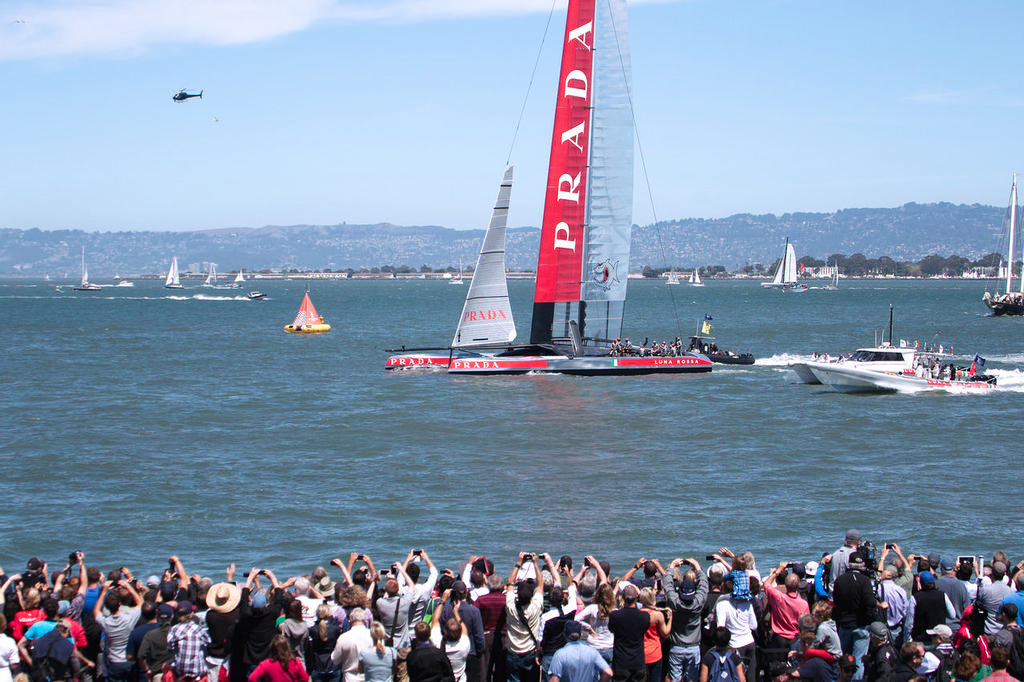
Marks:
<point>74,557</point>
<point>360,557</point>
<point>965,560</point>
<point>709,557</point>
<point>527,556</point>
<point>417,552</point>
<point>890,545</point>
<point>789,566</point>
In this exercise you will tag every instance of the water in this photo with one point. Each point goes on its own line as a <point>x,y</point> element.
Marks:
<point>140,422</point>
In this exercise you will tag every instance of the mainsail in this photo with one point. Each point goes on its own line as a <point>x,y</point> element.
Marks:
<point>307,313</point>
<point>172,274</point>
<point>585,234</point>
<point>487,314</point>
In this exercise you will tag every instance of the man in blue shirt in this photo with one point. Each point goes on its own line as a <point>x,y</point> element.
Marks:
<point>576,661</point>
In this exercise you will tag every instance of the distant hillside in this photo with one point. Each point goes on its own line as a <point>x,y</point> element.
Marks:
<point>907,233</point>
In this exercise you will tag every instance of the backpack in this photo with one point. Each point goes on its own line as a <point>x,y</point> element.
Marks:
<point>51,657</point>
<point>1016,666</point>
<point>723,667</point>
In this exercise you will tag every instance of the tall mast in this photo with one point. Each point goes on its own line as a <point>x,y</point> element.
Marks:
<point>1013,228</point>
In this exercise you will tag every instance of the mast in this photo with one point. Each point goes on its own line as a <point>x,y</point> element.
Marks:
<point>1013,228</point>
<point>890,324</point>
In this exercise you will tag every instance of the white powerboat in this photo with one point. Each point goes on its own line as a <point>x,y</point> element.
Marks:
<point>883,358</point>
<point>951,378</point>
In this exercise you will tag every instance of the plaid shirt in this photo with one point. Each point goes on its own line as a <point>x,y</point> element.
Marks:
<point>188,642</point>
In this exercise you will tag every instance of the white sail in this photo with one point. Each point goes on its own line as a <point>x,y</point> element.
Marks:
<point>172,275</point>
<point>487,314</point>
<point>239,278</point>
<point>85,273</point>
<point>211,276</point>
<point>695,279</point>
<point>785,275</point>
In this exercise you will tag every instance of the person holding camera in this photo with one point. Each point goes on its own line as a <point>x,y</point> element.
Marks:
<point>523,604</point>
<point>117,621</point>
<point>686,597</point>
<point>786,606</point>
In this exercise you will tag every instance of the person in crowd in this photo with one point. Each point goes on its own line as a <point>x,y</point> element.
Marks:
<point>1010,637</point>
<point>879,663</point>
<point>991,592</point>
<point>450,635</point>
<point>928,608</point>
<point>152,653</point>
<point>841,557</point>
<point>523,605</point>
<point>418,593</point>
<point>427,663</point>
<point>257,623</point>
<point>736,613</point>
<point>854,609</point>
<point>492,617</point>
<point>392,608</point>
<point>786,606</point>
<point>187,642</point>
<point>148,621</point>
<point>470,616</point>
<point>294,627</point>
<point>686,598</point>
<point>658,630</point>
<point>1017,598</point>
<point>577,662</point>
<point>222,601</point>
<point>722,663</point>
<point>117,622</point>
<point>1000,659</point>
<point>345,656</point>
<point>377,662</point>
<point>954,590</point>
<point>321,639</point>
<point>629,625</point>
<point>281,665</point>
<point>967,667</point>
<point>552,626</point>
<point>895,602</point>
<point>594,617</point>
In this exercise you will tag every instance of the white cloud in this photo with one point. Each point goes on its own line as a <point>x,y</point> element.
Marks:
<point>55,28</point>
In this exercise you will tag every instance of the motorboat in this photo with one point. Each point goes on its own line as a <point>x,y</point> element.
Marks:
<point>256,295</point>
<point>949,377</point>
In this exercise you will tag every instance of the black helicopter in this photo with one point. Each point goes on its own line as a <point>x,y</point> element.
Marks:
<point>183,95</point>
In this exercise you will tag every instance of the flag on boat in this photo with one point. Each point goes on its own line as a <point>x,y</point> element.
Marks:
<point>706,328</point>
<point>978,364</point>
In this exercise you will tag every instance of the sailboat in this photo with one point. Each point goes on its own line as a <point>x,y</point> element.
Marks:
<point>785,277</point>
<point>695,280</point>
<point>486,320</point>
<point>308,321</point>
<point>239,280</point>
<point>673,278</point>
<point>1009,302</point>
<point>85,285</point>
<point>834,284</point>
<point>457,279</point>
<point>172,276</point>
<point>580,290</point>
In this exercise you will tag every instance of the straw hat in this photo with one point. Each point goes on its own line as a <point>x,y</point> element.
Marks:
<point>223,597</point>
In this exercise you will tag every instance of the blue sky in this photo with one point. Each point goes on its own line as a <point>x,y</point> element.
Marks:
<point>404,111</point>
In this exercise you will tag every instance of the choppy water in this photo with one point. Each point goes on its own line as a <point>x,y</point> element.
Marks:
<point>140,422</point>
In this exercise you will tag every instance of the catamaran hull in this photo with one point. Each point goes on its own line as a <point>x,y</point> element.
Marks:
<point>805,371</point>
<point>426,361</point>
<point>1000,308</point>
<point>599,365</point>
<point>854,380</point>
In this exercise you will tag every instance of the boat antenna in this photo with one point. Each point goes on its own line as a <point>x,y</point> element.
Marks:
<point>890,324</point>
<point>526,98</point>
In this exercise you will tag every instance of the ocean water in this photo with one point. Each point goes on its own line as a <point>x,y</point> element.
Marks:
<point>140,422</point>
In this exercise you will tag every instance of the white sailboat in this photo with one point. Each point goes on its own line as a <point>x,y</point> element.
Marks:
<point>673,278</point>
<point>239,279</point>
<point>211,277</point>
<point>172,280</point>
<point>785,276</point>
<point>1009,302</point>
<point>457,279</point>
<point>86,285</point>
<point>695,280</point>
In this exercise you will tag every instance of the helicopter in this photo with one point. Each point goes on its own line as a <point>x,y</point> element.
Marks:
<point>183,95</point>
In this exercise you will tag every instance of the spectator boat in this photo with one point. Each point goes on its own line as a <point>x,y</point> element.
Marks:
<point>950,377</point>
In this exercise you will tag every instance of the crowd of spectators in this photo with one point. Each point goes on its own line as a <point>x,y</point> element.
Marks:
<point>858,613</point>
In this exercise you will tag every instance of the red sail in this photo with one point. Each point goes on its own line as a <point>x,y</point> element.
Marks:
<point>560,266</point>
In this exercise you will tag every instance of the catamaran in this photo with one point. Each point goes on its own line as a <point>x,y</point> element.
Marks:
<point>172,281</point>
<point>86,285</point>
<point>580,291</point>
<point>785,276</point>
<point>1009,302</point>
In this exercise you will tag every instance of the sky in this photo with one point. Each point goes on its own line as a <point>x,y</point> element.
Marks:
<point>406,111</point>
